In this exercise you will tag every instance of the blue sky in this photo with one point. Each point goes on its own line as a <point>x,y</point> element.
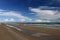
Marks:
<point>29,10</point>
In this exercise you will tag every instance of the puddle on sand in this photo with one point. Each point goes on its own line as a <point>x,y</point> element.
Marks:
<point>32,33</point>
<point>39,34</point>
<point>14,28</point>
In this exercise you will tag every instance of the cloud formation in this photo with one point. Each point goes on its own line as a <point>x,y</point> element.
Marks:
<point>39,20</point>
<point>14,14</point>
<point>9,20</point>
<point>45,13</point>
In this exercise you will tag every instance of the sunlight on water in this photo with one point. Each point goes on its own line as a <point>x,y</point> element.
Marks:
<point>28,32</point>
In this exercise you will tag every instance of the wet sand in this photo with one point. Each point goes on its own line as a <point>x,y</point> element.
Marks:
<point>53,32</point>
<point>48,30</point>
<point>7,33</point>
<point>12,34</point>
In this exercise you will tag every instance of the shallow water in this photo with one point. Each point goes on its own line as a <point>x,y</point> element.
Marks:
<point>32,33</point>
<point>22,30</point>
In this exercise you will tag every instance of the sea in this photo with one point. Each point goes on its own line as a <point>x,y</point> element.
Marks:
<point>37,24</point>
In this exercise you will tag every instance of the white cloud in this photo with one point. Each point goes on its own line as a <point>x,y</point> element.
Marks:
<point>9,20</point>
<point>15,14</point>
<point>2,10</point>
<point>39,11</point>
<point>46,14</point>
<point>47,7</point>
<point>38,20</point>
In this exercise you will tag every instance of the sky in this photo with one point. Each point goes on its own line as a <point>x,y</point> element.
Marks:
<point>29,10</point>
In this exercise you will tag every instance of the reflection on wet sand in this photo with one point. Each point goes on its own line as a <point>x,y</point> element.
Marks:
<point>17,32</point>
